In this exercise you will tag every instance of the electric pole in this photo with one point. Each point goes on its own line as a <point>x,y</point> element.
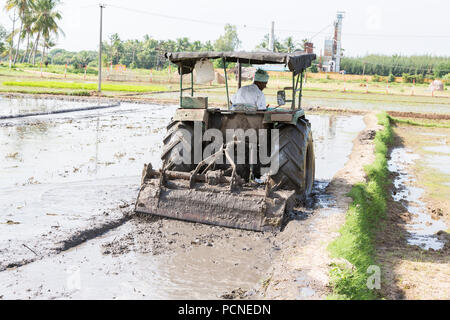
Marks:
<point>272,36</point>
<point>100,52</point>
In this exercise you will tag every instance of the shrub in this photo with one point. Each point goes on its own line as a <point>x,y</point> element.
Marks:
<point>80,93</point>
<point>376,78</point>
<point>406,78</point>
<point>391,78</point>
<point>76,70</point>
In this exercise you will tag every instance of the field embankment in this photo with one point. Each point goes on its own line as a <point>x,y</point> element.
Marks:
<point>356,244</point>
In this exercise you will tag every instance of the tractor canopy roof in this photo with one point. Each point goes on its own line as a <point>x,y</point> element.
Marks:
<point>296,62</point>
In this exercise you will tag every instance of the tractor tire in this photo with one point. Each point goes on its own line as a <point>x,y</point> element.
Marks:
<point>296,158</point>
<point>172,155</point>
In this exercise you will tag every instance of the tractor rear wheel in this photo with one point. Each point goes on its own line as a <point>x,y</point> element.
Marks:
<point>179,139</point>
<point>296,158</point>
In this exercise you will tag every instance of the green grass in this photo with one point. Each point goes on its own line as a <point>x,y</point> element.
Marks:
<point>420,124</point>
<point>356,243</point>
<point>52,92</point>
<point>84,86</point>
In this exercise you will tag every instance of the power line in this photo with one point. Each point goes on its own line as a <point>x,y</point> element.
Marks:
<point>315,33</point>
<point>326,27</point>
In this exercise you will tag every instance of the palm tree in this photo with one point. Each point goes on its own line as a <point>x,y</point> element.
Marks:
<point>289,44</point>
<point>22,7</point>
<point>47,45</point>
<point>27,29</point>
<point>45,23</point>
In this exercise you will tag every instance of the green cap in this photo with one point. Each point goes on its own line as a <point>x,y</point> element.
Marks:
<point>261,76</point>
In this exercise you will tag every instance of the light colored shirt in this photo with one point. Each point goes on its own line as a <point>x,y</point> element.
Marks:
<point>250,95</point>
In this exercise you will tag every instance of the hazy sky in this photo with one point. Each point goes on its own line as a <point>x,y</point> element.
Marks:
<point>382,26</point>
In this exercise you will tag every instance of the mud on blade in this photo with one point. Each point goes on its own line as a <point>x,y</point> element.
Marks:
<point>212,204</point>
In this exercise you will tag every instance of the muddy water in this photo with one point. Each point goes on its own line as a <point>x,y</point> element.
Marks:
<point>67,172</point>
<point>16,106</point>
<point>64,173</point>
<point>422,228</point>
<point>332,145</point>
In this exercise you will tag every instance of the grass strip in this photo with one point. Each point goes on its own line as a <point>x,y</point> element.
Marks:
<point>65,93</point>
<point>420,124</point>
<point>84,86</point>
<point>356,243</point>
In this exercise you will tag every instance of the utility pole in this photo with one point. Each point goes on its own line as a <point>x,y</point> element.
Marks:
<point>100,52</point>
<point>272,36</point>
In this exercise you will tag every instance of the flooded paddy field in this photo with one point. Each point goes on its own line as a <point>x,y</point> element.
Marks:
<point>414,246</point>
<point>68,186</point>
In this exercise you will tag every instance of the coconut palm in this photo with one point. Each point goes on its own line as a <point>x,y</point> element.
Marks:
<point>289,44</point>
<point>47,44</point>
<point>45,24</point>
<point>22,7</point>
<point>27,30</point>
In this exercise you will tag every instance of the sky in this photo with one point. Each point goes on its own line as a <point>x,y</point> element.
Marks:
<point>403,27</point>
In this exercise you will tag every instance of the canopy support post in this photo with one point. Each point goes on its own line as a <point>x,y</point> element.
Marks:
<point>293,92</point>
<point>192,83</point>
<point>300,92</point>
<point>226,82</point>
<point>181,86</point>
<point>239,73</point>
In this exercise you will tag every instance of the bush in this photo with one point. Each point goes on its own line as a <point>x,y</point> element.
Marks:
<point>93,64</point>
<point>376,78</point>
<point>313,68</point>
<point>391,78</point>
<point>408,78</point>
<point>80,93</point>
<point>76,70</point>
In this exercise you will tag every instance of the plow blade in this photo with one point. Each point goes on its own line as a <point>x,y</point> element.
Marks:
<point>249,210</point>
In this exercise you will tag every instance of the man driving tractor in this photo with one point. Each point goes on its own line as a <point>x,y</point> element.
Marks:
<point>252,94</point>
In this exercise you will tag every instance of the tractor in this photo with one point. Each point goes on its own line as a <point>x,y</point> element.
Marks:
<point>233,166</point>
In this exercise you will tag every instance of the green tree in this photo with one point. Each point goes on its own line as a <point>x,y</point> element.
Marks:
<point>27,30</point>
<point>229,41</point>
<point>46,23</point>
<point>22,7</point>
<point>3,34</point>
<point>289,44</point>
<point>277,45</point>
<point>115,48</point>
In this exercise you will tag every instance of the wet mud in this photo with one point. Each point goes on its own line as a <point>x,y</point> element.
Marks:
<point>69,183</point>
<point>422,228</point>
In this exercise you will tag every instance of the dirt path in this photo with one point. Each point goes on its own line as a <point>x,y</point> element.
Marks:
<point>302,270</point>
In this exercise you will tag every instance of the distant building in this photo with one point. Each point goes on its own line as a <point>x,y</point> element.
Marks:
<point>309,47</point>
<point>331,60</point>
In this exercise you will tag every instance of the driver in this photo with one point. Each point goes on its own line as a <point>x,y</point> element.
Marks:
<point>253,94</point>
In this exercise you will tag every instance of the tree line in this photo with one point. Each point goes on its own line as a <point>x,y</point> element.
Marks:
<point>397,65</point>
